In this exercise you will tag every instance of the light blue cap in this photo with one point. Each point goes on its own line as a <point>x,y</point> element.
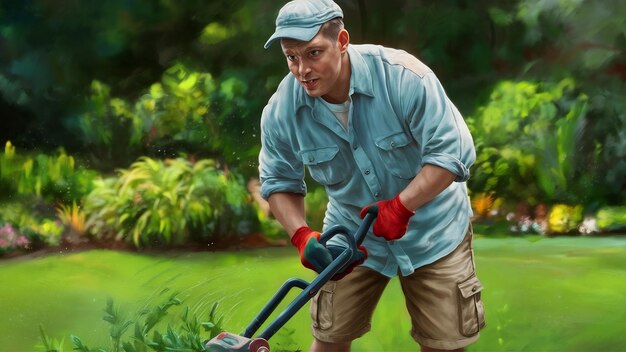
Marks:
<point>302,19</point>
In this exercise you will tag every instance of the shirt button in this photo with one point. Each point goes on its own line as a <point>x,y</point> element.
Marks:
<point>355,147</point>
<point>376,195</point>
<point>311,159</point>
<point>367,172</point>
<point>393,144</point>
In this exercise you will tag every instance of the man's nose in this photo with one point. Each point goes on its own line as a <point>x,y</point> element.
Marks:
<point>303,69</point>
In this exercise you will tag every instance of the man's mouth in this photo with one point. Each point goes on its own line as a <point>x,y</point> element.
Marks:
<point>309,83</point>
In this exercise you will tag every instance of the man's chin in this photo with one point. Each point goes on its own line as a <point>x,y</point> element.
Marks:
<point>313,93</point>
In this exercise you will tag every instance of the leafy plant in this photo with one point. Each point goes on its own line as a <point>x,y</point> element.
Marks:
<point>187,333</point>
<point>39,228</point>
<point>528,140</point>
<point>49,344</point>
<point>161,203</point>
<point>52,177</point>
<point>72,216</point>
<point>611,218</point>
<point>186,110</point>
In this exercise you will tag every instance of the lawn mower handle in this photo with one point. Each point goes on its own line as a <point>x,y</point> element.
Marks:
<point>228,342</point>
<point>309,290</point>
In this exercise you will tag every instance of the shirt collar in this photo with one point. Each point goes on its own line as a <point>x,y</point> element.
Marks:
<point>360,80</point>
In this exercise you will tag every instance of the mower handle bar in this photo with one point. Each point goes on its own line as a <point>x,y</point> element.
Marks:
<point>310,289</point>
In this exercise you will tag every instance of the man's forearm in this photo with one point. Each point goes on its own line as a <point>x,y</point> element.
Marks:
<point>427,184</point>
<point>288,209</point>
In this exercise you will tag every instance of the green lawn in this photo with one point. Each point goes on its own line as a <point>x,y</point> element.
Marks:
<point>555,294</point>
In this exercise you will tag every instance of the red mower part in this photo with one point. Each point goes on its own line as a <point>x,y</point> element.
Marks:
<point>259,345</point>
<point>229,342</point>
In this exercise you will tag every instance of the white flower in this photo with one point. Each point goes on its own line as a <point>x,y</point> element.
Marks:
<point>588,226</point>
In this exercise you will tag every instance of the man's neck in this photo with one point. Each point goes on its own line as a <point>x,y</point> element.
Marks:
<point>343,83</point>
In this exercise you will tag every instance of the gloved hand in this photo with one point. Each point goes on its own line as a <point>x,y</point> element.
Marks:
<point>317,257</point>
<point>393,218</point>
<point>337,249</point>
<point>313,254</point>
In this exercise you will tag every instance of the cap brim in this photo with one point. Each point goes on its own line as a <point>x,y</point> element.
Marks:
<point>298,33</point>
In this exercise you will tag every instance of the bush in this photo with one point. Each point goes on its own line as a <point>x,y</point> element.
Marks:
<point>611,218</point>
<point>564,218</point>
<point>53,177</point>
<point>35,223</point>
<point>162,203</point>
<point>187,110</point>
<point>528,142</point>
<point>11,239</point>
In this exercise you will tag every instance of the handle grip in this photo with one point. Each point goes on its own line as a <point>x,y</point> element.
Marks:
<point>359,235</point>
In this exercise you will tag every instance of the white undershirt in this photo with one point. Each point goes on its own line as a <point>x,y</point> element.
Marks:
<point>341,111</point>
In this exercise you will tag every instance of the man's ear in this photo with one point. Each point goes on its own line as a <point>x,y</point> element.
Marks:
<point>343,39</point>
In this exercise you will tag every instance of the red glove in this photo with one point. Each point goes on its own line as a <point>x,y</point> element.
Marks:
<point>393,218</point>
<point>313,254</point>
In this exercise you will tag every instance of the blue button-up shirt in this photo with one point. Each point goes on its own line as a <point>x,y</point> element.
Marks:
<point>400,119</point>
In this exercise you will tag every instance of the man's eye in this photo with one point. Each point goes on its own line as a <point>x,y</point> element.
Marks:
<point>315,52</point>
<point>291,57</point>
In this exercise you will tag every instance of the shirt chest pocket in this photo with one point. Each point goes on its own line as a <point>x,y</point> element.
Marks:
<point>398,155</point>
<point>325,164</point>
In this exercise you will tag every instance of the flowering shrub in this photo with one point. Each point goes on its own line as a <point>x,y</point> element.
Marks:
<point>11,239</point>
<point>564,218</point>
<point>526,225</point>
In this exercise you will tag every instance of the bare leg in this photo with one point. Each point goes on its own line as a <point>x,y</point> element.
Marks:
<point>320,346</point>
<point>429,349</point>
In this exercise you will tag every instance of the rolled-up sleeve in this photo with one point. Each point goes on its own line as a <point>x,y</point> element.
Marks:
<point>437,125</point>
<point>280,169</point>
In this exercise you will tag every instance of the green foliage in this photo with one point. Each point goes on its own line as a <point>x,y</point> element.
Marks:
<point>185,334</point>
<point>270,227</point>
<point>591,40</point>
<point>315,203</point>
<point>186,110</point>
<point>39,227</point>
<point>528,143</point>
<point>608,122</point>
<point>49,344</point>
<point>162,203</point>
<point>564,218</point>
<point>611,218</point>
<point>193,78</point>
<point>52,177</point>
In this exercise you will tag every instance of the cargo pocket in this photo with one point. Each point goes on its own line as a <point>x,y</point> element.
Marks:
<point>472,311</point>
<point>322,307</point>
<point>397,155</point>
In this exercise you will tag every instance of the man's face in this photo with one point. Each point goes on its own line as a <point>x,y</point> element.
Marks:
<point>317,65</point>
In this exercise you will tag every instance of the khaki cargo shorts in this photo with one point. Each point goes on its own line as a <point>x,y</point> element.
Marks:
<point>442,298</point>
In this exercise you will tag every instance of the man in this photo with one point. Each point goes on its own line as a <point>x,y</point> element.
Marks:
<point>373,126</point>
